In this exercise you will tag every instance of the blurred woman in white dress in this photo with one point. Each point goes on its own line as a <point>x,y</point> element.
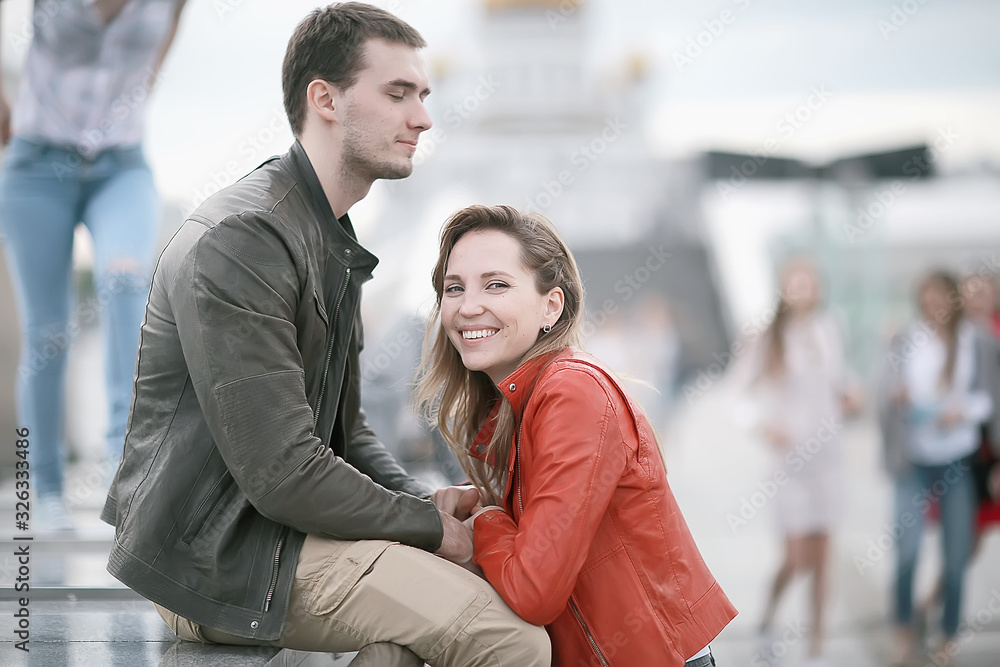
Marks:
<point>798,382</point>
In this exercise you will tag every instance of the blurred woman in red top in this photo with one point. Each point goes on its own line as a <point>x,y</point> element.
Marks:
<point>581,532</point>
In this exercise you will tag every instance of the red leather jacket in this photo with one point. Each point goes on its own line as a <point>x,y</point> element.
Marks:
<point>593,544</point>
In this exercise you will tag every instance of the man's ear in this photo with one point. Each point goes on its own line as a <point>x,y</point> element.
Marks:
<point>554,304</point>
<point>323,99</point>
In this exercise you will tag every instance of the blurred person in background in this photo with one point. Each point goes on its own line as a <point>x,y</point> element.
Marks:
<point>980,299</point>
<point>581,532</point>
<point>642,346</point>
<point>75,155</point>
<point>802,390</point>
<point>934,399</point>
<point>657,346</point>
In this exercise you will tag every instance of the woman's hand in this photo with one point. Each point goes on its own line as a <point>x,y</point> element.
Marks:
<point>4,120</point>
<point>851,401</point>
<point>994,482</point>
<point>458,501</point>
<point>950,418</point>
<point>899,396</point>
<point>777,436</point>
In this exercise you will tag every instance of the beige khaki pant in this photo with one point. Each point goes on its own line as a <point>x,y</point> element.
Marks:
<point>347,595</point>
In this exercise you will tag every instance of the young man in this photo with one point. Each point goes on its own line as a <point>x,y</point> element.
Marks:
<point>253,503</point>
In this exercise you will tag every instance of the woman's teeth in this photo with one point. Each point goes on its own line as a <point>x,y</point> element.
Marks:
<point>481,333</point>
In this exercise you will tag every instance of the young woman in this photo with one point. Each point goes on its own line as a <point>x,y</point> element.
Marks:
<point>76,156</point>
<point>979,296</point>
<point>581,533</point>
<point>936,400</point>
<point>800,386</point>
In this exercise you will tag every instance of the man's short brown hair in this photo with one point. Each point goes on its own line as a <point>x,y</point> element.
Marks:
<point>329,44</point>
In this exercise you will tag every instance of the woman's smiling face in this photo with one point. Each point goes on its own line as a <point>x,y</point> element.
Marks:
<point>490,306</point>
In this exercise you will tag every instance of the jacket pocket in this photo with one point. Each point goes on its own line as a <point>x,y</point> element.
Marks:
<point>329,569</point>
<point>208,508</point>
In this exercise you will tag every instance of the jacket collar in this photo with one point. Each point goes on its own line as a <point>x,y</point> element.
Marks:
<point>516,388</point>
<point>308,178</point>
<point>334,229</point>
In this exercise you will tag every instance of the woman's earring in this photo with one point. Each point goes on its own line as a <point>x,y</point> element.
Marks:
<point>547,328</point>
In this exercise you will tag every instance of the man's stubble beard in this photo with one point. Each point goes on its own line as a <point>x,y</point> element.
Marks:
<point>358,162</point>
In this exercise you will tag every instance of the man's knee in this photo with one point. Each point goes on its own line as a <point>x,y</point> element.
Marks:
<point>525,645</point>
<point>506,637</point>
<point>538,648</point>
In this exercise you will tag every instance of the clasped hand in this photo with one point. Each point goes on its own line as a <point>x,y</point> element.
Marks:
<point>456,504</point>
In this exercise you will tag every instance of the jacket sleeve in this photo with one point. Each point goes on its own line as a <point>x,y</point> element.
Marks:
<point>579,456</point>
<point>234,301</point>
<point>367,453</point>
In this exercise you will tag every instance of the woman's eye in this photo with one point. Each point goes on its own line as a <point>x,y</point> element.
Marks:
<point>496,284</point>
<point>396,97</point>
<point>453,289</point>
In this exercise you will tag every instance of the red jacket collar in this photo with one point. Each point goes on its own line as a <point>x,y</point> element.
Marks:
<point>516,389</point>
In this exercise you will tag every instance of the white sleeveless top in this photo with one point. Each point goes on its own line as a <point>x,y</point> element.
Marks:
<point>86,83</point>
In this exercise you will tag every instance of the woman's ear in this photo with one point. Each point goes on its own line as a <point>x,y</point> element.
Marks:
<point>323,99</point>
<point>554,303</point>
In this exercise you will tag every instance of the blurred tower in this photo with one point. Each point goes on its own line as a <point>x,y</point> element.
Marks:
<point>544,87</point>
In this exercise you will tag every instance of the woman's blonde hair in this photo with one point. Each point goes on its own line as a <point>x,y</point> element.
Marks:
<point>457,400</point>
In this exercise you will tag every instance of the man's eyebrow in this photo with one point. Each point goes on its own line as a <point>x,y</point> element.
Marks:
<point>409,85</point>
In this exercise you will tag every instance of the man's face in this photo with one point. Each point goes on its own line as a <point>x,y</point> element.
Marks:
<point>384,112</point>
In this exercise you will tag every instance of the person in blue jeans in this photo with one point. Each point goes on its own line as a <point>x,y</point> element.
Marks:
<point>936,399</point>
<point>75,156</point>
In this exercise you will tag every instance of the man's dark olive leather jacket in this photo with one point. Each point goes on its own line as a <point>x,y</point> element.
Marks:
<point>246,431</point>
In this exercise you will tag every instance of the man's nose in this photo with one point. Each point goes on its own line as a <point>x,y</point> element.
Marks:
<point>421,119</point>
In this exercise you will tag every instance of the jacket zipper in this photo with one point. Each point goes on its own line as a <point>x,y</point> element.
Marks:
<point>590,637</point>
<point>329,346</point>
<point>319,404</point>
<point>274,572</point>
<point>517,470</point>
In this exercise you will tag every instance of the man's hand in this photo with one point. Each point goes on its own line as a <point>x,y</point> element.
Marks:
<point>456,545</point>
<point>457,501</point>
